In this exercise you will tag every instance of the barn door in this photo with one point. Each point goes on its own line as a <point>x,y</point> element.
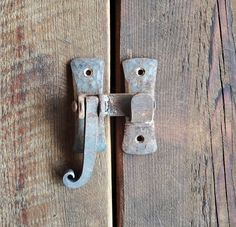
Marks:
<point>38,39</point>
<point>190,180</point>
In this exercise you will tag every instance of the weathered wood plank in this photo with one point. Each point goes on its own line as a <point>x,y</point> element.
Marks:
<point>190,180</point>
<point>38,39</point>
<point>226,104</point>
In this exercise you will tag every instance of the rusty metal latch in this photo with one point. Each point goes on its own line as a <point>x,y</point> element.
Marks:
<point>91,106</point>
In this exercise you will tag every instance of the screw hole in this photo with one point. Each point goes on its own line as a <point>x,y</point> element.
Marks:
<point>140,71</point>
<point>88,72</point>
<point>140,139</point>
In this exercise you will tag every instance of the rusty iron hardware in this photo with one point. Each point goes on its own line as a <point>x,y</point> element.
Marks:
<point>91,106</point>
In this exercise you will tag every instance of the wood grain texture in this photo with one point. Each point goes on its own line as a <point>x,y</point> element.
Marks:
<point>190,180</point>
<point>38,39</point>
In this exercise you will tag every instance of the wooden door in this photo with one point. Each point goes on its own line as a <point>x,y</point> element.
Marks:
<point>38,39</point>
<point>190,180</point>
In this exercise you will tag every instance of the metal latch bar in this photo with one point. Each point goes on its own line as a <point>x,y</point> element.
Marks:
<point>117,105</point>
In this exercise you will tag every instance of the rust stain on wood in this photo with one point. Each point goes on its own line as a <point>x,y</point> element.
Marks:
<point>24,216</point>
<point>19,34</point>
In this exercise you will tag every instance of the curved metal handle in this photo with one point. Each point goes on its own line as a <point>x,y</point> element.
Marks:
<point>90,142</point>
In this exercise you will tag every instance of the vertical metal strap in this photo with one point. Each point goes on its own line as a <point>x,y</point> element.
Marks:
<point>88,80</point>
<point>139,136</point>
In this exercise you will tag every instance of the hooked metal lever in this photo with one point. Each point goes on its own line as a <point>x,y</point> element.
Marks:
<point>92,105</point>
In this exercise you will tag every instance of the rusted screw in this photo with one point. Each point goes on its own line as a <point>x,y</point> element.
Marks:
<point>74,106</point>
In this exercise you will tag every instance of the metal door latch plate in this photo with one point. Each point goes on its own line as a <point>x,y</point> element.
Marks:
<point>91,106</point>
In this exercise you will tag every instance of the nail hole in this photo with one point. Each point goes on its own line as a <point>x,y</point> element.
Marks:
<point>140,71</point>
<point>140,139</point>
<point>88,72</point>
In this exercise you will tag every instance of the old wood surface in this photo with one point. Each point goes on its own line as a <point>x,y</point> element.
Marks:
<point>37,40</point>
<point>190,180</point>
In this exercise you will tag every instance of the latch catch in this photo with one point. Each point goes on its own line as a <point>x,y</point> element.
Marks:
<point>91,106</point>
